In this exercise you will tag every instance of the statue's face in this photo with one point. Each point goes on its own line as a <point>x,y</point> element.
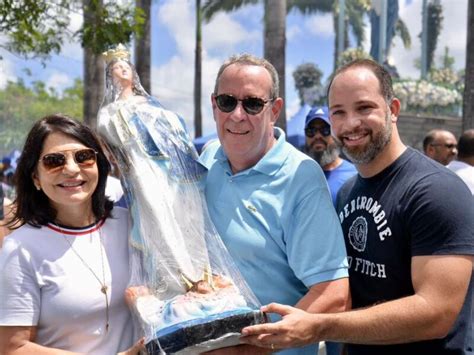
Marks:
<point>122,72</point>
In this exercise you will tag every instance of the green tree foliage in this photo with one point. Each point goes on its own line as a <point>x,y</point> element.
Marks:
<point>115,24</point>
<point>38,28</point>
<point>21,106</point>
<point>306,76</point>
<point>33,28</point>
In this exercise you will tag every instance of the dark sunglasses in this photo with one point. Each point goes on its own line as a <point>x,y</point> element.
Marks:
<point>449,146</point>
<point>310,132</point>
<point>252,105</point>
<point>83,157</point>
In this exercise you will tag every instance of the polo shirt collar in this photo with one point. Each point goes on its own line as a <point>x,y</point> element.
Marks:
<point>271,161</point>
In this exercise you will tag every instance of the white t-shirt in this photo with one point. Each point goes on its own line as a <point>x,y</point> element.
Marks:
<point>465,172</point>
<point>44,283</point>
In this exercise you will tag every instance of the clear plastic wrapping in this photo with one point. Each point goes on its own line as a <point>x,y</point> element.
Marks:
<point>185,291</point>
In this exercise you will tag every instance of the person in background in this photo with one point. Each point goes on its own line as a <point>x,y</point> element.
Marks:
<point>320,146</point>
<point>64,271</point>
<point>464,164</point>
<point>270,202</point>
<point>440,145</point>
<point>8,171</point>
<point>409,229</point>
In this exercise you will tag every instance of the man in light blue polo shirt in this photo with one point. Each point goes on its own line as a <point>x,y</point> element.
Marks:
<point>269,202</point>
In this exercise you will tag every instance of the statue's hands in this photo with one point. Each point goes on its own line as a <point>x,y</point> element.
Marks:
<point>135,349</point>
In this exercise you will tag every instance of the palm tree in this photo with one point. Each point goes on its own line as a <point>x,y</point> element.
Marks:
<point>275,46</point>
<point>275,24</point>
<point>468,102</point>
<point>435,24</point>
<point>142,46</point>
<point>354,18</point>
<point>274,27</point>
<point>93,66</point>
<point>198,73</point>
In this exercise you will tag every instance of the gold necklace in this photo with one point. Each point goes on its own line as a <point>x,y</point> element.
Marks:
<point>103,286</point>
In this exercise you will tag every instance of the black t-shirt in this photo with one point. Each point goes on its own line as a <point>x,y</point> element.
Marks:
<point>414,207</point>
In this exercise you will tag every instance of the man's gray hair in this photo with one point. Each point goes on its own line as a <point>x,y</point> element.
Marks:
<point>249,59</point>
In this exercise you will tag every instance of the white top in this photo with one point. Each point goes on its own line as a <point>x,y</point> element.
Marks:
<point>113,189</point>
<point>44,283</point>
<point>465,172</point>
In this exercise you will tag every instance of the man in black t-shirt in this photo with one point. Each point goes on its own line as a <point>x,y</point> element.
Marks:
<point>409,229</point>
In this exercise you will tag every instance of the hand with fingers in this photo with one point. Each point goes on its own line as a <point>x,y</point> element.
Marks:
<point>135,349</point>
<point>243,349</point>
<point>297,328</point>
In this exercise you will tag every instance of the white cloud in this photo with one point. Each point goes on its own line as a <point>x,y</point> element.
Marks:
<point>58,81</point>
<point>225,33</point>
<point>454,32</point>
<point>173,81</point>
<point>292,107</point>
<point>72,49</point>
<point>293,32</point>
<point>7,72</point>
<point>320,25</point>
<point>178,18</point>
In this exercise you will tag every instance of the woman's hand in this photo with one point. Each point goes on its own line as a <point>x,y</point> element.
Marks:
<point>135,349</point>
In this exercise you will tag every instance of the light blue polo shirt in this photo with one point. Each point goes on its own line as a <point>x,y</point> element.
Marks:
<point>277,221</point>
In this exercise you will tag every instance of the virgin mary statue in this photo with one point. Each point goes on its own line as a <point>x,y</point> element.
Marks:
<point>185,291</point>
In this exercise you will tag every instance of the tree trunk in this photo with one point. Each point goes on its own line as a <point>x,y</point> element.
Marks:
<point>142,47</point>
<point>198,73</point>
<point>335,19</point>
<point>93,73</point>
<point>275,46</point>
<point>468,102</point>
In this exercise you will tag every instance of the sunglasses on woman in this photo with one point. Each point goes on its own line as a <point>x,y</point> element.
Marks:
<point>55,161</point>
<point>252,105</point>
<point>311,131</point>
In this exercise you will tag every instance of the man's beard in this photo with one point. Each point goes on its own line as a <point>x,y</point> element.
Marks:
<point>325,157</point>
<point>367,153</point>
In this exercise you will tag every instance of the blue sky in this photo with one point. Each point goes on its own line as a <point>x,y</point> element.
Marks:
<point>309,39</point>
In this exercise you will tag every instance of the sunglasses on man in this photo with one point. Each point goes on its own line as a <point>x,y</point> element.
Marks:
<point>55,161</point>
<point>310,132</point>
<point>252,105</point>
<point>449,146</point>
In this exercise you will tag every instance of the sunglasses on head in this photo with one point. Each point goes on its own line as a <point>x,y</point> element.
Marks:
<point>82,157</point>
<point>252,105</point>
<point>310,132</point>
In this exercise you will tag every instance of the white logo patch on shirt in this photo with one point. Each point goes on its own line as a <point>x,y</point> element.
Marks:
<point>358,234</point>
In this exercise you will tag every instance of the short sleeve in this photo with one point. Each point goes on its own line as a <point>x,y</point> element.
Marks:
<point>440,216</point>
<point>315,244</point>
<point>19,289</point>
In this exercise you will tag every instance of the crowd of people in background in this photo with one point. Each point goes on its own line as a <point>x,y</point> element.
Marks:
<point>356,219</point>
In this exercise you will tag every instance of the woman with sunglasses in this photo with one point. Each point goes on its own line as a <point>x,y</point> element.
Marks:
<point>63,273</point>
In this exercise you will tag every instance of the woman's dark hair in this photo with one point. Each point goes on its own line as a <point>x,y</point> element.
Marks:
<point>32,206</point>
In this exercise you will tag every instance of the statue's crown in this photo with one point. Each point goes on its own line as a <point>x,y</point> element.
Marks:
<point>119,52</point>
